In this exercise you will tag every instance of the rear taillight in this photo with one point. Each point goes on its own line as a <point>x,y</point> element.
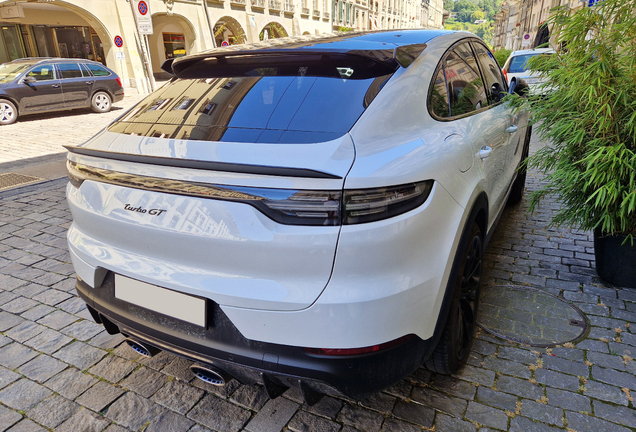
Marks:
<point>357,351</point>
<point>505,74</point>
<point>286,206</point>
<point>118,81</point>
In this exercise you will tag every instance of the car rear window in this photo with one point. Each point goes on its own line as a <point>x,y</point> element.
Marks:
<point>97,70</point>
<point>519,63</point>
<point>255,109</point>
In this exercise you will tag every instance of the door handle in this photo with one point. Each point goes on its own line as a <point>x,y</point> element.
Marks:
<point>89,82</point>
<point>484,152</point>
<point>55,85</point>
<point>512,129</point>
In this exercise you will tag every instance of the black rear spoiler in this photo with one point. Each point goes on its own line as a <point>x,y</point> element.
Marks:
<point>237,62</point>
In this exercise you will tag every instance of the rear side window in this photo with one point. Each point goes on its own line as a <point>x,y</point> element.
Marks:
<point>97,70</point>
<point>438,99</point>
<point>495,82</point>
<point>70,70</point>
<point>465,87</point>
<point>255,109</point>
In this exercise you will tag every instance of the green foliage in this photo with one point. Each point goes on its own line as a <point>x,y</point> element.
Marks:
<point>484,31</point>
<point>477,15</point>
<point>501,55</point>
<point>589,118</point>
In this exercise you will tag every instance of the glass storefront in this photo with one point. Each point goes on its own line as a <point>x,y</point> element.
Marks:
<point>18,41</point>
<point>174,45</point>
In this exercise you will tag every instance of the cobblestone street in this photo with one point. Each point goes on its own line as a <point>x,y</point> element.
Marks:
<point>60,371</point>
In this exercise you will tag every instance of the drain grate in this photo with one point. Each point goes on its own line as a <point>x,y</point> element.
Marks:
<point>529,316</point>
<point>11,179</point>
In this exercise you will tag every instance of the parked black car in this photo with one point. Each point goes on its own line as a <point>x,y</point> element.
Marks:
<point>35,85</point>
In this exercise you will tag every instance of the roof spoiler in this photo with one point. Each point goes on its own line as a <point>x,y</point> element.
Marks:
<point>236,62</point>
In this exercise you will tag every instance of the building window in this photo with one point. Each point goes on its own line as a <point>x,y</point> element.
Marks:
<point>174,44</point>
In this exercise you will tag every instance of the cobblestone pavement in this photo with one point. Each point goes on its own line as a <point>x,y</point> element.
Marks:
<point>60,371</point>
<point>43,134</point>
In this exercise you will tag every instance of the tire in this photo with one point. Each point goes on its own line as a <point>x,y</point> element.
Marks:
<point>455,342</point>
<point>516,192</point>
<point>8,112</point>
<point>101,102</point>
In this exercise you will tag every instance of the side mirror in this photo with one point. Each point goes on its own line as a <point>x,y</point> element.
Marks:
<point>29,80</point>
<point>497,92</point>
<point>518,86</point>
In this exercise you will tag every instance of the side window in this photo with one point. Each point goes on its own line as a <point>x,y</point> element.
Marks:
<point>42,73</point>
<point>97,70</point>
<point>465,87</point>
<point>85,71</point>
<point>495,83</point>
<point>438,99</point>
<point>70,70</point>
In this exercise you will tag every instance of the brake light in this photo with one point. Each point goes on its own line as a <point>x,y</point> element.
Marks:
<point>118,81</point>
<point>358,351</point>
<point>505,74</point>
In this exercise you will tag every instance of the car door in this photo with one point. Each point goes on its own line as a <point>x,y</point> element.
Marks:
<point>513,124</point>
<point>471,112</point>
<point>76,88</point>
<point>43,93</point>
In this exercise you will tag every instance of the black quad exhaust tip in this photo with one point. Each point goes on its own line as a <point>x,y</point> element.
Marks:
<point>140,348</point>
<point>210,375</point>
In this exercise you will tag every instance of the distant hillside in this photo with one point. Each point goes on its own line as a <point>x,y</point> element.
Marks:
<point>464,13</point>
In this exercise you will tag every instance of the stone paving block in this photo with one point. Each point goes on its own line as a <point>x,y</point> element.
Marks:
<point>37,312</point>
<point>73,305</point>
<point>106,341</point>
<point>507,367</point>
<point>454,387</point>
<point>381,402</point>
<point>26,425</point>
<point>49,279</point>
<point>448,423</point>
<point>85,421</point>
<point>169,422</point>
<point>360,418</point>
<point>7,377</point>
<point>610,376</point>
<point>9,320</point>
<point>71,383</point>
<point>497,399</point>
<point>572,354</point>
<point>542,412</point>
<point>440,401</point>
<point>523,424</point>
<point>250,396</point>
<point>53,411</point>
<point>517,354</point>
<point>99,396</point>
<point>25,331</point>
<point>18,305</point>
<point>14,355</point>
<point>486,415</point>
<point>8,418</point>
<point>42,368</point>
<point>582,422</point>
<point>179,368</point>
<point>273,416</point>
<point>80,355</point>
<point>133,411</point>
<point>565,366</point>
<point>607,360</point>
<point>116,428</point>
<point>306,422</point>
<point>219,415</point>
<point>593,345</point>
<point>23,394</point>
<point>476,375</point>
<point>10,283</point>
<point>605,392</point>
<point>556,379</point>
<point>414,413</point>
<point>7,296</point>
<point>616,414</point>
<point>180,397</point>
<point>52,297</point>
<point>401,389</point>
<point>48,341</point>
<point>57,320</point>
<point>327,407</point>
<point>145,381</point>
<point>113,368</point>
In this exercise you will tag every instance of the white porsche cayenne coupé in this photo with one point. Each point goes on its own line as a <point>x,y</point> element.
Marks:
<point>302,212</point>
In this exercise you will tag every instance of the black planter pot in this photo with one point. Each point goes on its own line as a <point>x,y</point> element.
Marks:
<point>615,262</point>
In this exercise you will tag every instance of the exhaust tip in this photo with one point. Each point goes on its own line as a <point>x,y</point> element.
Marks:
<point>144,350</point>
<point>211,376</point>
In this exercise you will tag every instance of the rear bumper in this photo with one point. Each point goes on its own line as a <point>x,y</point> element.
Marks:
<point>221,345</point>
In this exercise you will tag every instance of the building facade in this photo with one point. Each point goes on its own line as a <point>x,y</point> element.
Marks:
<point>518,21</point>
<point>106,30</point>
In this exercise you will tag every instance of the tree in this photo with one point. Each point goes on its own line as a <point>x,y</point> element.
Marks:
<point>477,15</point>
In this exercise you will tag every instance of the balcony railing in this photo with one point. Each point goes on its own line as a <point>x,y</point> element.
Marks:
<point>238,2</point>
<point>289,8</point>
<point>305,11</point>
<point>258,4</point>
<point>274,5</point>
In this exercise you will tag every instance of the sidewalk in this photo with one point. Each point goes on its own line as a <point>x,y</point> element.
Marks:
<point>60,371</point>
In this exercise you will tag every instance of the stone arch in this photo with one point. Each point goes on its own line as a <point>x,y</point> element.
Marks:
<point>274,30</point>
<point>228,29</point>
<point>175,27</point>
<point>306,33</point>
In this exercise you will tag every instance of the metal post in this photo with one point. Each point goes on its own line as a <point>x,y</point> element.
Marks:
<point>142,51</point>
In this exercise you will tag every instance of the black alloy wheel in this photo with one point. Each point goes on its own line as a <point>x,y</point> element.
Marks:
<point>454,346</point>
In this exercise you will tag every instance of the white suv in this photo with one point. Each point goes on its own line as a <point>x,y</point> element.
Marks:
<point>516,67</point>
<point>303,212</point>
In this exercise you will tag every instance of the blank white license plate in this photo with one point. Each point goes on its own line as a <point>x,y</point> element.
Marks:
<point>171,303</point>
<point>532,80</point>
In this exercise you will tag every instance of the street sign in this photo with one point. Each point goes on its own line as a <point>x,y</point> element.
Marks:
<point>143,17</point>
<point>120,56</point>
<point>225,43</point>
<point>119,42</point>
